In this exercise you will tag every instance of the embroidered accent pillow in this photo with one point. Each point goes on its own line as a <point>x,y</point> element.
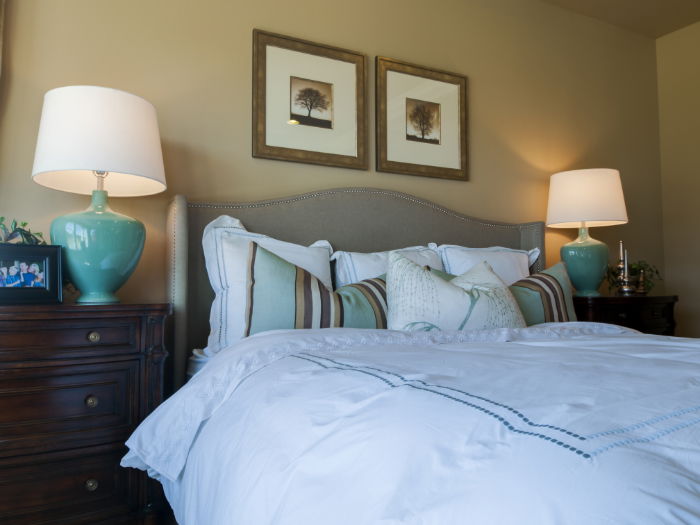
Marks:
<point>419,299</point>
<point>282,295</point>
<point>546,297</point>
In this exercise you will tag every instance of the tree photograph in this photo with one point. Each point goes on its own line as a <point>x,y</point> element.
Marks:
<point>422,121</point>
<point>311,103</point>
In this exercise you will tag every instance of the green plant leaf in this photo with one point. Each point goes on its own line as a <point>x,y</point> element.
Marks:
<point>19,234</point>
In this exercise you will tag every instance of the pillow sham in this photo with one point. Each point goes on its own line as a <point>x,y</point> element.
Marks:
<point>546,297</point>
<point>282,295</point>
<point>353,267</point>
<point>510,265</point>
<point>419,299</point>
<point>225,242</point>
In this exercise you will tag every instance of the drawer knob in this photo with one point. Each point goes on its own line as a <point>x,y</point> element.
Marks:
<point>91,485</point>
<point>92,401</point>
<point>94,337</point>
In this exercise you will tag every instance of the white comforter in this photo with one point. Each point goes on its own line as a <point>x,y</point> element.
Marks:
<point>553,425</point>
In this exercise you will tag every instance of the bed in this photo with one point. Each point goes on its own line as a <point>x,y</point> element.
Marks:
<point>555,423</point>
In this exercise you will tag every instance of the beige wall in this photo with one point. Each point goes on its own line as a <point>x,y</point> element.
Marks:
<point>548,90</point>
<point>679,109</point>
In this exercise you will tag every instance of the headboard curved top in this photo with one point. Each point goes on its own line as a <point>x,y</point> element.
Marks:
<point>352,219</point>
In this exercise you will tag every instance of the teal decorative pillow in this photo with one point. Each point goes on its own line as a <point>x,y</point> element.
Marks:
<point>282,295</point>
<point>545,297</point>
<point>421,299</point>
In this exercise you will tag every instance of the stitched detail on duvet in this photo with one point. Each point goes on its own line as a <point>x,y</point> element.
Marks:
<point>330,364</point>
<point>605,440</point>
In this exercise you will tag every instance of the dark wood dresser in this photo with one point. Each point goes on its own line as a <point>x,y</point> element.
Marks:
<point>74,383</point>
<point>646,313</point>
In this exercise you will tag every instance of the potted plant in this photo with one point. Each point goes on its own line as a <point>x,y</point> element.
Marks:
<point>636,270</point>
<point>18,233</point>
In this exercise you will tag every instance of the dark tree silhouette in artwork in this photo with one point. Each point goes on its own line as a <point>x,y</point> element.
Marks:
<point>422,118</point>
<point>310,99</point>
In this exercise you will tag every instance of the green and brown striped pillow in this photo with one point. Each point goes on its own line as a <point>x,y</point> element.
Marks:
<point>284,296</point>
<point>545,297</point>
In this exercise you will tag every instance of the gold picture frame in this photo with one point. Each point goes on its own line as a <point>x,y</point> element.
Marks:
<point>421,121</point>
<point>309,102</point>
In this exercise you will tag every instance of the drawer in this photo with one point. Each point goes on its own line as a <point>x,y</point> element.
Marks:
<point>49,408</point>
<point>621,317</point>
<point>68,337</point>
<point>76,488</point>
<point>658,312</point>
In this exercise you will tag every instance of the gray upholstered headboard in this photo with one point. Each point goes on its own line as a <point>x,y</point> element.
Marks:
<point>352,219</point>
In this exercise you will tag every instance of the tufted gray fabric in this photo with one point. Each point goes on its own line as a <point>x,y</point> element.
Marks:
<point>352,219</point>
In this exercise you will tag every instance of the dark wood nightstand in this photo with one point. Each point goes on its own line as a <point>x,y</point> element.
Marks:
<point>650,314</point>
<point>74,383</point>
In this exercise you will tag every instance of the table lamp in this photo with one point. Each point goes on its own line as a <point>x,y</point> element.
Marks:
<point>98,140</point>
<point>582,199</point>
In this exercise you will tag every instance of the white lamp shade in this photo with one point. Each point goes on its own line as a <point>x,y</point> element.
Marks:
<point>593,196</point>
<point>87,128</point>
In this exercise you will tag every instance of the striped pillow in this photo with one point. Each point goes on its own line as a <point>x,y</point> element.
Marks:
<point>545,297</point>
<point>282,295</point>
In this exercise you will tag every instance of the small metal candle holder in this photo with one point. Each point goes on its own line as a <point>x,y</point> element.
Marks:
<point>620,272</point>
<point>642,283</point>
<point>626,287</point>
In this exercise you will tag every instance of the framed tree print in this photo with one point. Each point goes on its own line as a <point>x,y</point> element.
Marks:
<point>309,102</point>
<point>421,121</point>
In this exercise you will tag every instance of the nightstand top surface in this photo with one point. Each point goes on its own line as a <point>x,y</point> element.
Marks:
<point>76,310</point>
<point>626,299</point>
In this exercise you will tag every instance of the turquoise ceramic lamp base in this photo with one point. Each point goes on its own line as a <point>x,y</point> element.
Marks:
<point>586,261</point>
<point>101,249</point>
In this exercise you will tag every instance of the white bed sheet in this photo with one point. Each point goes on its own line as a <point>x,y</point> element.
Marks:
<point>568,423</point>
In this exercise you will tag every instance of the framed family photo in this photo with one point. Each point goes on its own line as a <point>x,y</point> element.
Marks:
<point>308,102</point>
<point>30,274</point>
<point>421,121</point>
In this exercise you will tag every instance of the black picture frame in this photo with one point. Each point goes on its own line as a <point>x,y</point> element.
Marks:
<point>46,257</point>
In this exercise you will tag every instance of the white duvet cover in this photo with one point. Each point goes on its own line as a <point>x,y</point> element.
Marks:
<point>567,424</point>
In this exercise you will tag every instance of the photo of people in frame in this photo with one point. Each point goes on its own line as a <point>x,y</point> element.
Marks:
<point>25,273</point>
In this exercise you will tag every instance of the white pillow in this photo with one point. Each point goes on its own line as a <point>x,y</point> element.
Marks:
<point>353,267</point>
<point>225,242</point>
<point>510,265</point>
<point>418,299</point>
